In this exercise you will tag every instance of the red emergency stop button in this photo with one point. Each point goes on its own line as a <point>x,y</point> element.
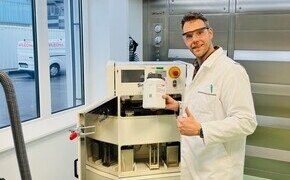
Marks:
<point>174,72</point>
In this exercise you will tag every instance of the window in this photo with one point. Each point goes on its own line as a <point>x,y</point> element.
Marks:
<point>17,50</point>
<point>19,57</point>
<point>65,56</point>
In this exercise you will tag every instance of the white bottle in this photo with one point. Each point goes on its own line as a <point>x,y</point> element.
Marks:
<point>153,89</point>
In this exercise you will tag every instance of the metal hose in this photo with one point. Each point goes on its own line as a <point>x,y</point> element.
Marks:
<point>16,126</point>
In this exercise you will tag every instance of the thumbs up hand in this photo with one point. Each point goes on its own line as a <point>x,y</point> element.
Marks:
<point>188,125</point>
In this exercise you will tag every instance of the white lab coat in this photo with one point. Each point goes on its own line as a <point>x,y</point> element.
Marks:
<point>219,98</point>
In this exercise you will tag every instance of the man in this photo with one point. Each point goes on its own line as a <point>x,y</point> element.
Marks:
<point>217,109</point>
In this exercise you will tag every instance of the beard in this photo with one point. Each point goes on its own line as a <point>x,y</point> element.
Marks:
<point>200,51</point>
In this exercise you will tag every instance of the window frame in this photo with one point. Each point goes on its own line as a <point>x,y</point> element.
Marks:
<point>47,122</point>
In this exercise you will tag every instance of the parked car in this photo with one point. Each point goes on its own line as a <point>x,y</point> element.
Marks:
<point>25,55</point>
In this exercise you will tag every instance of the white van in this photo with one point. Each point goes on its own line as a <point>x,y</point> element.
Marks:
<point>25,57</point>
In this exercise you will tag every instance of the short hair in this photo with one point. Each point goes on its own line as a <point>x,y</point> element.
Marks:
<point>190,16</point>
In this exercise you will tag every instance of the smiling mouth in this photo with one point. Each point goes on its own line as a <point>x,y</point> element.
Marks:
<point>196,47</point>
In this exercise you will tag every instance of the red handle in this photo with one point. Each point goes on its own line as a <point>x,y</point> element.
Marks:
<point>73,135</point>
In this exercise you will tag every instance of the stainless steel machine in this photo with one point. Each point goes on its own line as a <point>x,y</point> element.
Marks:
<point>121,140</point>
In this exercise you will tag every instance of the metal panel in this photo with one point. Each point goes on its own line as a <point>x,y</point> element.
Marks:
<point>262,47</point>
<point>155,13</point>
<point>272,100</point>
<point>262,40</point>
<point>269,153</point>
<point>262,5</point>
<point>268,72</point>
<point>272,105</point>
<point>266,168</point>
<point>206,6</point>
<point>263,56</point>
<point>219,23</point>
<point>274,122</point>
<point>262,21</point>
<point>251,35</point>
<point>274,73</point>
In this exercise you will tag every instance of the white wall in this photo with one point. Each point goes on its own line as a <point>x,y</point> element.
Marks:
<point>51,156</point>
<point>107,35</point>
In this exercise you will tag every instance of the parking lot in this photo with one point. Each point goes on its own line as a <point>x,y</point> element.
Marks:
<point>25,88</point>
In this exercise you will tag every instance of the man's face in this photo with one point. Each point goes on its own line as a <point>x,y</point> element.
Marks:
<point>198,38</point>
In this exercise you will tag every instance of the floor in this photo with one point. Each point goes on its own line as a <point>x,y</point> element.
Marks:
<point>246,177</point>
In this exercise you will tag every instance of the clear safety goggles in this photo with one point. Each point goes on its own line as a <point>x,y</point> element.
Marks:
<point>188,36</point>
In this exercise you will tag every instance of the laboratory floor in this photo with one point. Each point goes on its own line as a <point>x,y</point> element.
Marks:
<point>247,177</point>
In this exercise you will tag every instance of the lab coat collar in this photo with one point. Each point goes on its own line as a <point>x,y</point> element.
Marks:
<point>206,65</point>
<point>212,58</point>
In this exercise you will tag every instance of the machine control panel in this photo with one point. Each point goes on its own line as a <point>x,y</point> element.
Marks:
<point>130,76</point>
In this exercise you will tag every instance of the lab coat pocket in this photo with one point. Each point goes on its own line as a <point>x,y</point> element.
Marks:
<point>206,99</point>
<point>209,90</point>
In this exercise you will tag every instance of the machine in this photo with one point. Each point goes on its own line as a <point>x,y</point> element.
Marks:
<point>119,139</point>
